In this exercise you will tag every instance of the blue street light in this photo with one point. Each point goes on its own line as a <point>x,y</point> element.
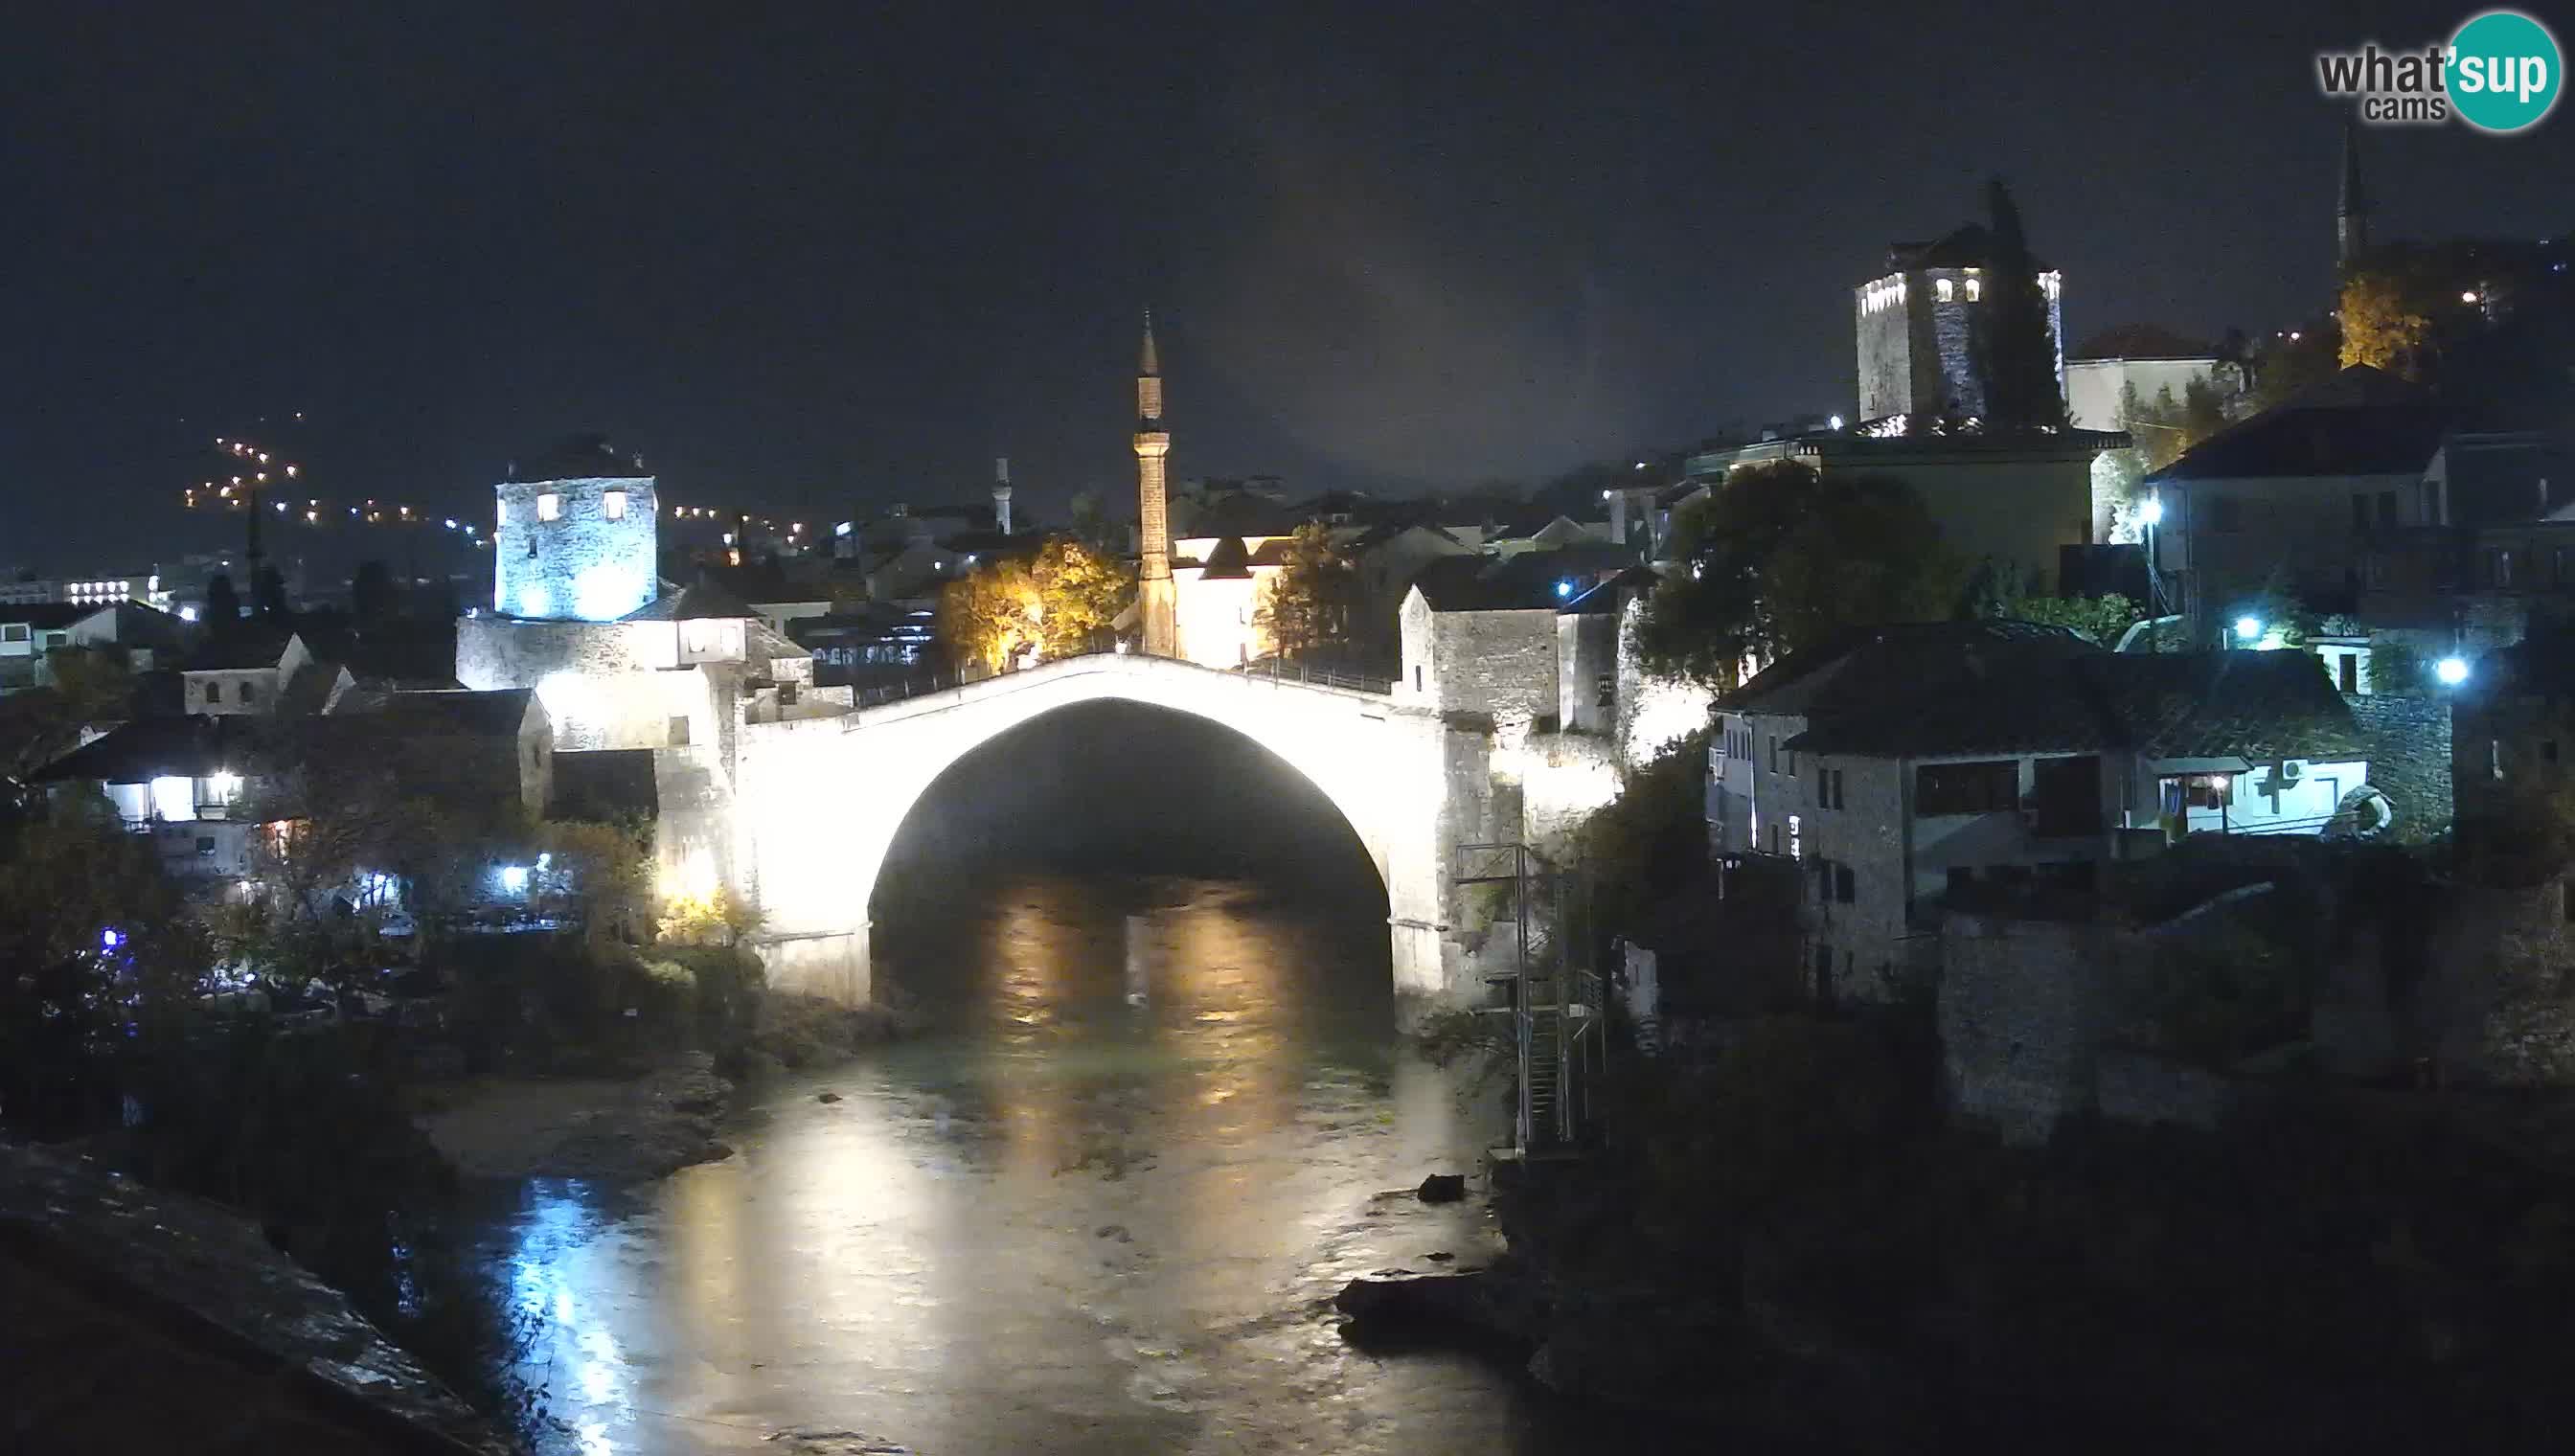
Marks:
<point>2153,512</point>
<point>2451,671</point>
<point>1565,588</point>
<point>2248,627</point>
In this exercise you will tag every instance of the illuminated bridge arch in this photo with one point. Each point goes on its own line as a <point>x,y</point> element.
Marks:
<point>818,801</point>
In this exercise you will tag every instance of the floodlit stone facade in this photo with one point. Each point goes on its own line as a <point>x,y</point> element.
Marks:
<point>573,550</point>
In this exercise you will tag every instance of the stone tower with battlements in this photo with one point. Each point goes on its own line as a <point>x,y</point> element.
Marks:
<point>1156,601</point>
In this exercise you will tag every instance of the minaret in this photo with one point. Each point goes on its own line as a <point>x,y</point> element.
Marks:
<point>2352,209</point>
<point>1156,601</point>
<point>1002,493</point>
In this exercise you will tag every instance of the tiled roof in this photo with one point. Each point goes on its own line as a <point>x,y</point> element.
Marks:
<point>1970,246</point>
<point>1489,584</point>
<point>248,645</point>
<point>1227,561</point>
<point>2256,705</point>
<point>1899,666</point>
<point>691,603</point>
<point>165,747</point>
<point>496,713</point>
<point>2141,340</point>
<point>2358,423</point>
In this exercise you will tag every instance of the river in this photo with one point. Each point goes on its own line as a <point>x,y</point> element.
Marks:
<point>1101,1205</point>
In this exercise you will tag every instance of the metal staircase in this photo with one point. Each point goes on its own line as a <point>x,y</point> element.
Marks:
<point>1554,1005</point>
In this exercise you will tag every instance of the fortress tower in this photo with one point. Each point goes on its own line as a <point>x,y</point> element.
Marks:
<point>576,536</point>
<point>1918,326</point>
<point>1156,601</point>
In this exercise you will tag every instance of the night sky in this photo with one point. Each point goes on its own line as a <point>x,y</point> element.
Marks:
<point>817,258</point>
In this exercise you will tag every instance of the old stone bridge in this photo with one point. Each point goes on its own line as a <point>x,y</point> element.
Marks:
<point>817,802</point>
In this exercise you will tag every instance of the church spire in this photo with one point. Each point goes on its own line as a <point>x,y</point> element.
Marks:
<point>2351,206</point>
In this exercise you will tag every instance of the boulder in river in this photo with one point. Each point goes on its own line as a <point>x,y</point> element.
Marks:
<point>1442,1188</point>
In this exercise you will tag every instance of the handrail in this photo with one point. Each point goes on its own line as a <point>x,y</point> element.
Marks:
<point>949,682</point>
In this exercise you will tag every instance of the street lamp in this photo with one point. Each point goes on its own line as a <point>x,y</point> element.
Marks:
<point>2153,512</point>
<point>2452,670</point>
<point>2248,627</point>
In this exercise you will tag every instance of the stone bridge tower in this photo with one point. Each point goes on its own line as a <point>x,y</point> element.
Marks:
<point>1156,600</point>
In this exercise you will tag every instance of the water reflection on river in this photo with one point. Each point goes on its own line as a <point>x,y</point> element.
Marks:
<point>1103,1206</point>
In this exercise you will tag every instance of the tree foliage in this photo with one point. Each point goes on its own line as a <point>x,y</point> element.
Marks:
<point>2016,349</point>
<point>2165,427</point>
<point>97,959</point>
<point>1308,605</point>
<point>2381,327</point>
<point>1774,560</point>
<point>2103,618</point>
<point>223,602</point>
<point>1059,604</point>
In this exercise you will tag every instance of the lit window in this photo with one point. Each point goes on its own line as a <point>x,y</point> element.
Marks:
<point>1975,289</point>
<point>549,507</point>
<point>612,505</point>
<point>1946,289</point>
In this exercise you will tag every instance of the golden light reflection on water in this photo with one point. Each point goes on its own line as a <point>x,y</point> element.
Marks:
<point>1097,1211</point>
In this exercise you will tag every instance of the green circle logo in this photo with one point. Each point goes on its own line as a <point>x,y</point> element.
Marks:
<point>2504,71</point>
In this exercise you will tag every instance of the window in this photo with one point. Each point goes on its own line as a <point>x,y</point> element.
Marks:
<point>1946,289</point>
<point>679,731</point>
<point>1606,691</point>
<point>1967,789</point>
<point>2347,669</point>
<point>2198,790</point>
<point>13,631</point>
<point>1796,840</point>
<point>204,847</point>
<point>249,693</point>
<point>1775,753</point>
<point>1837,787</point>
<point>549,507</point>
<point>1416,679</point>
<point>1975,289</point>
<point>612,504</point>
<point>1845,883</point>
<point>214,691</point>
<point>2066,793</point>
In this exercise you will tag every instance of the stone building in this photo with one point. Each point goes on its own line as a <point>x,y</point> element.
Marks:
<point>1915,766</point>
<point>574,536</point>
<point>1919,325</point>
<point>674,673</point>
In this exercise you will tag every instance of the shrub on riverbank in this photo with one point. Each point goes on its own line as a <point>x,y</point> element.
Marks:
<point>2335,1268</point>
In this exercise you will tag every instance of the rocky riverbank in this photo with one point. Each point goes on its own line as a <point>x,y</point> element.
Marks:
<point>146,1320</point>
<point>598,1129</point>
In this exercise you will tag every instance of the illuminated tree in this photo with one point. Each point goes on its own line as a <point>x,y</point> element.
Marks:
<point>2165,427</point>
<point>1079,594</point>
<point>1307,604</point>
<point>2379,325</point>
<point>1777,558</point>
<point>988,617</point>
<point>1061,604</point>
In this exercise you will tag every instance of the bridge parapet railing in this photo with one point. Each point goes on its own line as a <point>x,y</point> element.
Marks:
<point>1273,672</point>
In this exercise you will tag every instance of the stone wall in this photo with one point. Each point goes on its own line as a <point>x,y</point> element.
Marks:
<point>1497,664</point>
<point>580,566</point>
<point>2023,1008</point>
<point>2408,743</point>
<point>2502,987</point>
